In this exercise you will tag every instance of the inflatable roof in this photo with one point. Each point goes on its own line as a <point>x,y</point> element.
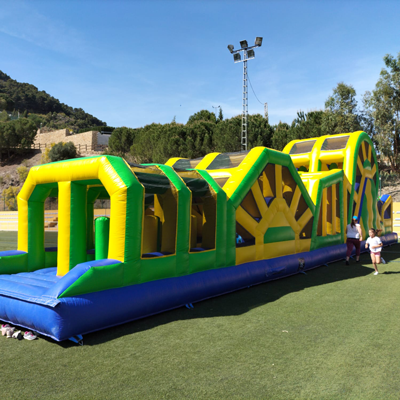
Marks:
<point>184,231</point>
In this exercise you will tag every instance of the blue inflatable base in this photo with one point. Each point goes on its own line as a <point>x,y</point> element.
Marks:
<point>30,299</point>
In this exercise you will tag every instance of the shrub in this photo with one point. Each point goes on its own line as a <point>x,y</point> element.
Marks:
<point>389,178</point>
<point>10,197</point>
<point>22,172</point>
<point>62,151</point>
<point>45,156</point>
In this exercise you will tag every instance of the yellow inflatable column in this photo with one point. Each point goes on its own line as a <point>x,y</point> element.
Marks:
<point>71,226</point>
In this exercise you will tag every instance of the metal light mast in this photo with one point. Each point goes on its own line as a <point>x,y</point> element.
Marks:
<point>248,54</point>
<point>245,103</point>
<point>266,111</point>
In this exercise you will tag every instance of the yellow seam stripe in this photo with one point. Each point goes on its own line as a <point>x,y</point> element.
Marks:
<point>207,160</point>
<point>174,160</point>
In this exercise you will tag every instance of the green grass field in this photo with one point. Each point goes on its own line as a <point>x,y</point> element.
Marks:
<point>330,334</point>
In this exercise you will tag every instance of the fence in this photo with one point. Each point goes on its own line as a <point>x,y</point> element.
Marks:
<point>79,147</point>
<point>51,204</point>
<point>9,219</point>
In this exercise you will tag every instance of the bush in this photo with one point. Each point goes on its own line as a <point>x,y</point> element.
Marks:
<point>62,151</point>
<point>23,173</point>
<point>45,156</point>
<point>389,178</point>
<point>10,197</point>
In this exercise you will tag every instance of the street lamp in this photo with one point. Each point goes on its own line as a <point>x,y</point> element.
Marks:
<point>216,107</point>
<point>248,54</point>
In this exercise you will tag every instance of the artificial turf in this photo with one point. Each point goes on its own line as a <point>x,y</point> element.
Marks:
<point>329,334</point>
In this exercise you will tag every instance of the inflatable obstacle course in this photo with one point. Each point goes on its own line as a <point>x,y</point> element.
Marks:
<point>184,231</point>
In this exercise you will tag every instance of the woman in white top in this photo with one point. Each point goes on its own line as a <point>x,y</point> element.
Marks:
<point>354,238</point>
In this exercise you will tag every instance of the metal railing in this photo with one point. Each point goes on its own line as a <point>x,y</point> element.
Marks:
<point>79,147</point>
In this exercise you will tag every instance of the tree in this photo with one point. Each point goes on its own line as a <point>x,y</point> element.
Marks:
<point>227,135</point>
<point>282,136</point>
<point>16,135</point>
<point>25,131</point>
<point>5,102</point>
<point>307,125</point>
<point>121,140</point>
<point>341,111</point>
<point>145,140</point>
<point>382,111</point>
<point>259,131</point>
<point>203,115</point>
<point>199,136</point>
<point>62,151</point>
<point>220,115</point>
<point>4,116</point>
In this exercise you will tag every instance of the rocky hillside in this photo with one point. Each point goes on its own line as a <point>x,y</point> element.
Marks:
<point>41,107</point>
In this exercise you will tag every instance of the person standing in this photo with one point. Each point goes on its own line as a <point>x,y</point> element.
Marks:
<point>375,248</point>
<point>354,238</point>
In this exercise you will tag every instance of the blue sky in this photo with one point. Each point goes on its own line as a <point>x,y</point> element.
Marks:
<point>131,63</point>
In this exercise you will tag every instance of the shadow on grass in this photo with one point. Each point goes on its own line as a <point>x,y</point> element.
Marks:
<point>239,302</point>
<point>390,272</point>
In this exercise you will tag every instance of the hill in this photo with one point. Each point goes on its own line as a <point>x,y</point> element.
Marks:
<point>41,107</point>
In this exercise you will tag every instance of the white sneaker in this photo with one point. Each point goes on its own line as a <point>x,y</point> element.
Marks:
<point>10,332</point>
<point>376,273</point>
<point>383,260</point>
<point>4,329</point>
<point>29,336</point>
<point>7,330</point>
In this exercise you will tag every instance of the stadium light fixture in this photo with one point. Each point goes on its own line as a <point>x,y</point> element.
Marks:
<point>248,54</point>
<point>237,57</point>
<point>243,44</point>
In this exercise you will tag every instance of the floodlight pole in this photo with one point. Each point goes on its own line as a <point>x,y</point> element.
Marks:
<point>245,108</point>
<point>245,103</point>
